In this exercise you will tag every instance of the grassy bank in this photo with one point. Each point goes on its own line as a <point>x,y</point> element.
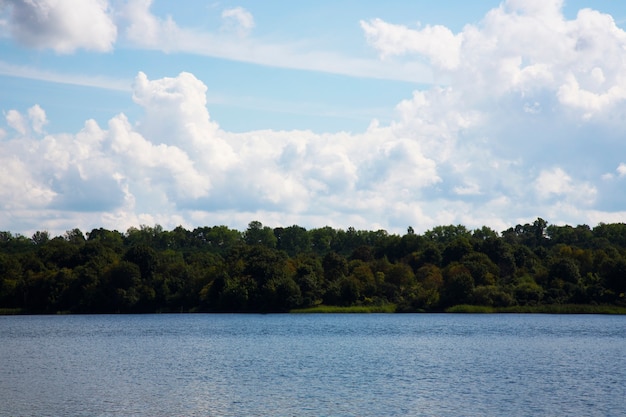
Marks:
<point>11,311</point>
<point>388,308</point>
<point>471,309</point>
<point>464,308</point>
<point>542,309</point>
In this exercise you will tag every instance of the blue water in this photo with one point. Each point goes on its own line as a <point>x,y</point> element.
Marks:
<point>313,365</point>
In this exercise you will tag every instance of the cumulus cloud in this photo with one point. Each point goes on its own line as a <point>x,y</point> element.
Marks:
<point>557,183</point>
<point>177,160</point>
<point>20,191</point>
<point>524,91</point>
<point>524,47</point>
<point>176,114</point>
<point>16,121</point>
<point>527,124</point>
<point>437,43</point>
<point>620,171</point>
<point>176,166</point>
<point>38,118</point>
<point>34,121</point>
<point>147,30</point>
<point>61,25</point>
<point>572,94</point>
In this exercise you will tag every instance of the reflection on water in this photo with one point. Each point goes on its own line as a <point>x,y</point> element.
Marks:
<point>313,365</point>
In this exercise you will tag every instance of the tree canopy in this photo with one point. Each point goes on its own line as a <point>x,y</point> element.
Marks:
<point>264,269</point>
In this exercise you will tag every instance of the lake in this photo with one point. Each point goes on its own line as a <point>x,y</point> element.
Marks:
<point>313,365</point>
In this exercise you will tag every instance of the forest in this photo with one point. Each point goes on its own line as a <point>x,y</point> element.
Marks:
<point>263,269</point>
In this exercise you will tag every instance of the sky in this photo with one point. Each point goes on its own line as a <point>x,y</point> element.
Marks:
<point>365,114</point>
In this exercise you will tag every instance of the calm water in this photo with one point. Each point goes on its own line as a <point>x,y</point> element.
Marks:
<point>313,365</point>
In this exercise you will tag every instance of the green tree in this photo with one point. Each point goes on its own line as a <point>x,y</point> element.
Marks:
<point>430,254</point>
<point>59,253</point>
<point>10,276</point>
<point>257,234</point>
<point>108,238</point>
<point>293,240</point>
<point>565,269</point>
<point>145,236</point>
<point>75,236</point>
<point>501,254</point>
<point>484,233</point>
<point>446,234</point>
<point>483,270</point>
<point>40,237</point>
<point>121,287</point>
<point>267,268</point>
<point>309,276</point>
<point>349,291</point>
<point>456,249</point>
<point>613,272</point>
<point>458,285</point>
<point>491,295</point>
<point>528,292</point>
<point>322,239</point>
<point>145,257</point>
<point>430,284</point>
<point>364,275</point>
<point>400,275</point>
<point>216,239</point>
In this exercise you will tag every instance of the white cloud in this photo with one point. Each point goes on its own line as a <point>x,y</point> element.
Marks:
<point>437,43</point>
<point>175,160</point>
<point>530,90</point>
<point>468,189</point>
<point>144,29</point>
<point>176,114</point>
<point>524,47</point>
<point>238,19</point>
<point>542,9</point>
<point>435,118</point>
<point>20,191</point>
<point>21,71</point>
<point>571,94</point>
<point>175,166</point>
<point>61,25</point>
<point>526,125</point>
<point>553,182</point>
<point>557,183</point>
<point>169,165</point>
<point>34,121</point>
<point>37,118</point>
<point>16,121</point>
<point>147,30</point>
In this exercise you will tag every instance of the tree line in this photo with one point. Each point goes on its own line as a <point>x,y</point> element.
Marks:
<point>262,269</point>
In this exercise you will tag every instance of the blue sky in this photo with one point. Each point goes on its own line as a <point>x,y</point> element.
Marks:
<point>355,113</point>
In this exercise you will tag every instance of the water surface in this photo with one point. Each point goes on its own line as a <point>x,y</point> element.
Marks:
<point>313,365</point>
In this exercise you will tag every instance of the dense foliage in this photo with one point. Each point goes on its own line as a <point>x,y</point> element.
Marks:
<point>263,269</point>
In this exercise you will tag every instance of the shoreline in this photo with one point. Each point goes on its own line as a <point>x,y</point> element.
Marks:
<point>385,309</point>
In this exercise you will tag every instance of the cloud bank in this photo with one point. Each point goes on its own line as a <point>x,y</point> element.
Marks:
<point>526,124</point>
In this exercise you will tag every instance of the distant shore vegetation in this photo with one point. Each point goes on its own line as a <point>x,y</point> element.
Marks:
<point>530,268</point>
